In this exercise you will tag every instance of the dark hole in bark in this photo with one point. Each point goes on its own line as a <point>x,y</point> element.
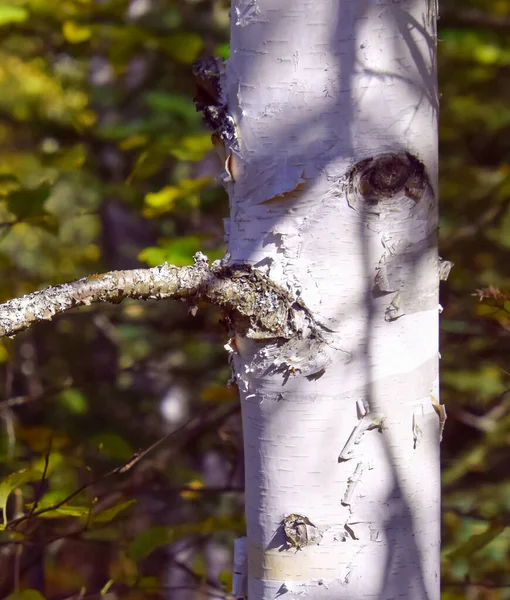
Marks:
<point>388,174</point>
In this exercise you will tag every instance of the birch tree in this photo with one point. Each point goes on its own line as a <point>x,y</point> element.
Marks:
<point>335,198</point>
<point>326,117</point>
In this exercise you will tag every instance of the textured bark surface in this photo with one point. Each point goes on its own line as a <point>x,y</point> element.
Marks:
<point>332,180</point>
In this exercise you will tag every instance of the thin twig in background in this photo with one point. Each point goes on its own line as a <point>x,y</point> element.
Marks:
<point>191,427</point>
<point>40,488</point>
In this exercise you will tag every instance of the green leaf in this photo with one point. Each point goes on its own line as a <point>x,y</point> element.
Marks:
<point>183,47</point>
<point>149,583</point>
<point>477,542</point>
<point>82,512</point>
<point>148,541</point>
<point>29,203</point>
<point>153,256</point>
<point>74,401</point>
<point>76,33</point>
<point>180,106</point>
<point>487,53</point>
<point>178,252</point>
<point>487,380</point>
<point>26,595</point>
<point>8,184</point>
<point>55,459</point>
<point>12,14</point>
<point>192,147</point>
<point>70,159</point>
<point>225,578</point>
<point>13,481</point>
<point>223,51</point>
<point>112,445</point>
<point>148,163</point>
<point>165,199</point>
<point>110,513</point>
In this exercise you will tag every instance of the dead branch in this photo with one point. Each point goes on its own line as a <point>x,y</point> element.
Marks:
<point>256,306</point>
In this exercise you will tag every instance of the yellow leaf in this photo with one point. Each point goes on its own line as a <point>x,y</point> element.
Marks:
<point>26,595</point>
<point>110,513</point>
<point>193,485</point>
<point>8,184</point>
<point>192,147</point>
<point>38,438</point>
<point>196,484</point>
<point>182,46</point>
<point>10,483</point>
<point>70,159</point>
<point>133,141</point>
<point>12,14</point>
<point>165,198</point>
<point>188,186</point>
<point>87,118</point>
<point>74,33</point>
<point>4,353</point>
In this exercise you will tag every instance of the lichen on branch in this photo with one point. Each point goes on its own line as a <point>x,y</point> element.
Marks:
<point>253,304</point>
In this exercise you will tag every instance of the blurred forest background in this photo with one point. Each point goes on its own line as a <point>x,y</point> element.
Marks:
<point>105,164</point>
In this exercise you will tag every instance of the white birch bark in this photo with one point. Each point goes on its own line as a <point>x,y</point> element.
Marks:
<point>315,87</point>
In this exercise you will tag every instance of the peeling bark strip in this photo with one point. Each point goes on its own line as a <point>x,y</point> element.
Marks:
<point>254,305</point>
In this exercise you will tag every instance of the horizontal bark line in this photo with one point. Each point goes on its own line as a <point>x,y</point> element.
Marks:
<point>298,565</point>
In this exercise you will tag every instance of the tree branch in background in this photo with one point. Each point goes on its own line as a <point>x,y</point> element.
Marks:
<point>210,417</point>
<point>473,18</point>
<point>257,306</point>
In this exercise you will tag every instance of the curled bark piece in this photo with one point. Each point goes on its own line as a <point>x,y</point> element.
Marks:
<point>444,267</point>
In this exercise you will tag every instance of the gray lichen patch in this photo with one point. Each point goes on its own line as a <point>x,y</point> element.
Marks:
<point>256,306</point>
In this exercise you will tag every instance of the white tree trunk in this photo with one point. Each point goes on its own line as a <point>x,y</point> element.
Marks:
<point>341,433</point>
